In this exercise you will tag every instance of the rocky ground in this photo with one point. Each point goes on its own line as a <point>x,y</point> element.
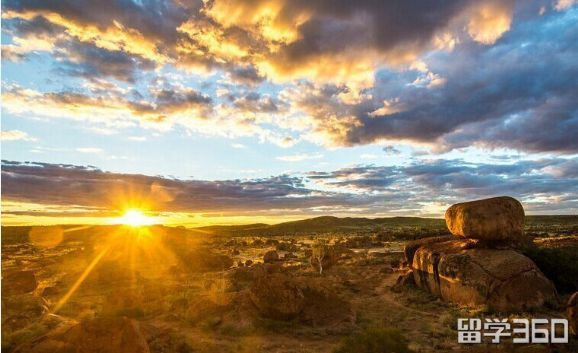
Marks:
<point>123,290</point>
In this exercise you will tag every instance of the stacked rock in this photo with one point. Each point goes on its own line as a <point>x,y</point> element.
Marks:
<point>469,269</point>
<point>495,221</point>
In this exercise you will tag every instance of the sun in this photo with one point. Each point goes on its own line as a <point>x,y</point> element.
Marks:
<point>135,218</point>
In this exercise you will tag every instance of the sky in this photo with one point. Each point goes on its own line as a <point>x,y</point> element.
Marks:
<point>242,111</point>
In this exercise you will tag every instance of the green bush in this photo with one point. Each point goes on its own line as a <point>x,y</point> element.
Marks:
<point>560,265</point>
<point>375,340</point>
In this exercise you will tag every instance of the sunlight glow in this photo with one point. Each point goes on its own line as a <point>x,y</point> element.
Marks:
<point>135,218</point>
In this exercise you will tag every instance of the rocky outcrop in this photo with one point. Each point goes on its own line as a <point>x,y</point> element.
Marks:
<point>18,282</point>
<point>499,219</point>
<point>323,307</point>
<point>282,296</point>
<point>478,266</point>
<point>412,246</point>
<point>572,313</point>
<point>270,256</point>
<point>277,296</point>
<point>404,281</point>
<point>99,335</point>
<point>504,280</point>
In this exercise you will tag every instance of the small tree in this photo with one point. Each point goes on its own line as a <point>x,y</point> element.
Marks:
<point>323,255</point>
<point>318,254</point>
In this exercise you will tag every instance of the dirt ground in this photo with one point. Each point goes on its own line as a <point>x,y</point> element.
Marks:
<point>187,309</point>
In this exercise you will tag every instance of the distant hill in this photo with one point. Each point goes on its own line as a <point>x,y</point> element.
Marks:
<point>331,224</point>
<point>327,224</point>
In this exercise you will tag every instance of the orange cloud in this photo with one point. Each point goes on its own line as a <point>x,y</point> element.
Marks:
<point>489,20</point>
<point>116,37</point>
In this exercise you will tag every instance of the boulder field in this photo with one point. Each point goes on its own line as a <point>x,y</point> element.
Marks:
<point>474,267</point>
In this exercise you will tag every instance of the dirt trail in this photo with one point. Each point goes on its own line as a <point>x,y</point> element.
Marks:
<point>392,299</point>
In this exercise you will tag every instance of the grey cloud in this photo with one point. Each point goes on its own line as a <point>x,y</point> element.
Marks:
<point>545,186</point>
<point>520,93</point>
<point>73,185</point>
<point>391,150</point>
<point>522,97</point>
<point>90,62</point>
<point>255,102</point>
<point>246,75</point>
<point>152,18</point>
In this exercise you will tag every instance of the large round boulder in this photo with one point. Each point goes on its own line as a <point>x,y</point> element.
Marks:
<point>277,296</point>
<point>503,280</point>
<point>498,219</point>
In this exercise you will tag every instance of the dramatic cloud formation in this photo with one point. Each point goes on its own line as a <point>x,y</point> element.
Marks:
<point>447,75</point>
<point>545,186</point>
<point>487,89</point>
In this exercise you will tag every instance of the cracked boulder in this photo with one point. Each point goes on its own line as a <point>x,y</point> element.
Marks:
<point>503,280</point>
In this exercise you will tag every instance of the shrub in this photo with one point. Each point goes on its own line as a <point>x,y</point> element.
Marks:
<point>323,256</point>
<point>560,265</point>
<point>375,340</point>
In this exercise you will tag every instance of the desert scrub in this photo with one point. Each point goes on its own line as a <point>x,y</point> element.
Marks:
<point>560,265</point>
<point>218,291</point>
<point>375,340</point>
<point>13,339</point>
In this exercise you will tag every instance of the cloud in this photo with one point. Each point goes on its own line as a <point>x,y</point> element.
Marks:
<point>562,5</point>
<point>16,135</point>
<point>510,95</point>
<point>137,138</point>
<point>299,157</point>
<point>115,109</point>
<point>90,62</point>
<point>547,185</point>
<point>342,42</point>
<point>66,185</point>
<point>174,106</point>
<point>490,20</point>
<point>368,156</point>
<point>256,103</point>
<point>484,73</point>
<point>140,30</point>
<point>90,150</point>
<point>391,150</point>
<point>246,75</point>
